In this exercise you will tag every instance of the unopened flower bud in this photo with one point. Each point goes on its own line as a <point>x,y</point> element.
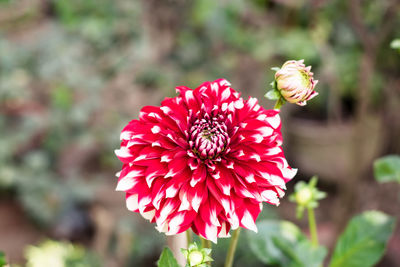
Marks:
<point>295,82</point>
<point>196,257</point>
<point>304,196</point>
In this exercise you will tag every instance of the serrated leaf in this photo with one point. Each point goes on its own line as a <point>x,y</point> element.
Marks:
<point>273,94</point>
<point>364,240</point>
<point>281,243</point>
<point>387,169</point>
<point>167,259</point>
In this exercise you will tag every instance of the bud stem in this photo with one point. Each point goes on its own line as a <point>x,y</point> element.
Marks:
<point>313,227</point>
<point>279,103</point>
<point>208,244</point>
<point>203,242</point>
<point>232,248</point>
<point>189,236</point>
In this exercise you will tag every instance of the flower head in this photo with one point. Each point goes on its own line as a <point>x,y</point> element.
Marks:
<point>205,159</point>
<point>295,82</point>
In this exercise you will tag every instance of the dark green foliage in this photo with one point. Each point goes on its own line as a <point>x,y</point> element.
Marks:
<point>2,259</point>
<point>281,243</point>
<point>364,240</point>
<point>387,169</point>
<point>167,259</point>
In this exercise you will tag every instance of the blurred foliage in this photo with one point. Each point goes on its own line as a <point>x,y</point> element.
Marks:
<point>281,243</point>
<point>395,44</point>
<point>387,169</point>
<point>2,259</point>
<point>74,73</point>
<point>364,240</point>
<point>59,254</point>
<point>167,259</point>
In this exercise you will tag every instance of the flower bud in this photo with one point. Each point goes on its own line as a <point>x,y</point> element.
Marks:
<point>304,196</point>
<point>295,82</point>
<point>196,257</point>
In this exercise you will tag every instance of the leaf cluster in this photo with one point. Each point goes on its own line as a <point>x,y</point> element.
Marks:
<point>362,244</point>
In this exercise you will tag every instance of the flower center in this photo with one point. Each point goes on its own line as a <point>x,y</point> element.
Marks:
<point>208,137</point>
<point>305,79</point>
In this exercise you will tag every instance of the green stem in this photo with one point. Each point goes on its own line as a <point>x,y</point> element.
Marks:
<point>208,244</point>
<point>279,103</point>
<point>232,248</point>
<point>189,237</point>
<point>203,242</point>
<point>313,227</point>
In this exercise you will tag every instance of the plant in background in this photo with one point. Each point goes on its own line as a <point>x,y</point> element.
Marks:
<point>395,44</point>
<point>58,254</point>
<point>3,261</point>
<point>362,244</point>
<point>306,196</point>
<point>387,169</point>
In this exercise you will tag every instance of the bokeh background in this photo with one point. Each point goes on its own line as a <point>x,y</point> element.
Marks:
<point>73,73</point>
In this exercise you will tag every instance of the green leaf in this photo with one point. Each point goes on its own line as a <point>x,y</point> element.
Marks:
<point>2,259</point>
<point>167,259</point>
<point>282,243</point>
<point>273,94</point>
<point>364,240</point>
<point>387,169</point>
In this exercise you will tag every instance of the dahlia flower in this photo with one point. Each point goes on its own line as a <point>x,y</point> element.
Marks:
<point>206,159</point>
<point>295,82</point>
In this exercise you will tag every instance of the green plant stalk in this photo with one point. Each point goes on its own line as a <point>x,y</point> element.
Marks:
<point>232,248</point>
<point>279,103</point>
<point>189,237</point>
<point>313,227</point>
<point>203,242</point>
<point>208,244</point>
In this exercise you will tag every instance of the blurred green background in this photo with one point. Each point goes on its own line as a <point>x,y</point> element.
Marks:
<point>73,73</point>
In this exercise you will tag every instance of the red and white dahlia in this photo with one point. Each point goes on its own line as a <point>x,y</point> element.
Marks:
<point>205,160</point>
